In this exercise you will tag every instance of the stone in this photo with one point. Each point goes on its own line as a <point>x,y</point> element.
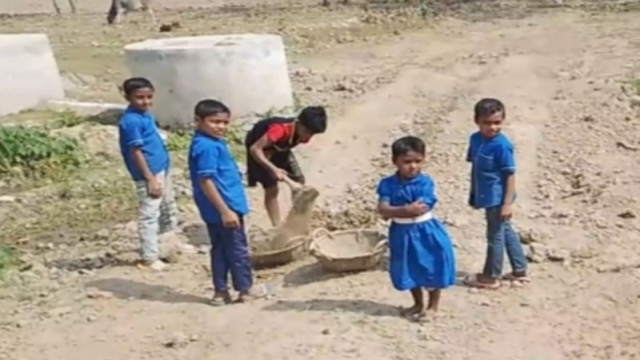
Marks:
<point>248,72</point>
<point>30,75</point>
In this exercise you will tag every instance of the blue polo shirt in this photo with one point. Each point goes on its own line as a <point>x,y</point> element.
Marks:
<point>492,160</point>
<point>210,157</point>
<point>138,129</point>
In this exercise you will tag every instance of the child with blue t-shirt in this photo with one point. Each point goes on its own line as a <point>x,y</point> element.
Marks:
<point>493,188</point>
<point>222,202</point>
<point>421,251</point>
<point>147,160</point>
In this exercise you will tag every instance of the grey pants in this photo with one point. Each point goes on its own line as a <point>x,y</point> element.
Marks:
<point>155,215</point>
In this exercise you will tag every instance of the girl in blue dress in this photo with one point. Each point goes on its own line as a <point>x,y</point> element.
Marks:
<point>422,254</point>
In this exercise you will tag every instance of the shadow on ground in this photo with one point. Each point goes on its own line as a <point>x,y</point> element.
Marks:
<point>129,289</point>
<point>307,274</point>
<point>367,307</point>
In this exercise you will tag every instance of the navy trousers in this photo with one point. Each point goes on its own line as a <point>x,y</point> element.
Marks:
<point>230,254</point>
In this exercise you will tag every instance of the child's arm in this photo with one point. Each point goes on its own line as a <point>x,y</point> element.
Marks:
<point>229,217</point>
<point>257,151</point>
<point>387,211</point>
<point>205,165</point>
<point>132,135</point>
<point>507,164</point>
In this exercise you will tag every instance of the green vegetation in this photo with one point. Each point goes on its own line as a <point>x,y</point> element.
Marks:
<point>29,152</point>
<point>69,119</point>
<point>8,259</point>
<point>632,87</point>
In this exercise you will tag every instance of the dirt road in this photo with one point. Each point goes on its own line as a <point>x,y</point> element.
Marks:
<point>560,76</point>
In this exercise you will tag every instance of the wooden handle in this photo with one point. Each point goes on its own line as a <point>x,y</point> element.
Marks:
<point>292,184</point>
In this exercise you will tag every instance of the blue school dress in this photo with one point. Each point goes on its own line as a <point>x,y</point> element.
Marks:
<point>421,253</point>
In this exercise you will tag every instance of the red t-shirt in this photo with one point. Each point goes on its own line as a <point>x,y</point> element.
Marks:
<point>282,132</point>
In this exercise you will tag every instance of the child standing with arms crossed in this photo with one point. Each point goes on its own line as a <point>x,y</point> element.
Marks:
<point>422,255</point>
<point>147,160</point>
<point>493,188</point>
<point>220,197</point>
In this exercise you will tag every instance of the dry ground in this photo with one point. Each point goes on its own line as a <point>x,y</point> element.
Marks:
<point>561,75</point>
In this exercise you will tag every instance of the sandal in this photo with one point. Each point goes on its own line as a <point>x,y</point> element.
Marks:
<point>516,278</point>
<point>257,292</point>
<point>474,281</point>
<point>221,299</point>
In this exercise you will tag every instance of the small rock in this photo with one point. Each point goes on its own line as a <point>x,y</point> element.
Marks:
<point>325,332</point>
<point>7,199</point>
<point>98,294</point>
<point>177,340</point>
<point>627,215</point>
<point>61,311</point>
<point>556,255</point>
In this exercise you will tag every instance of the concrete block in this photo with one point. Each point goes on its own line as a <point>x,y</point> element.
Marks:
<point>247,72</point>
<point>29,73</point>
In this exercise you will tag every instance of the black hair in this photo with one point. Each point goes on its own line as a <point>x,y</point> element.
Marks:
<point>210,107</point>
<point>133,84</point>
<point>488,107</point>
<point>314,119</point>
<point>406,144</point>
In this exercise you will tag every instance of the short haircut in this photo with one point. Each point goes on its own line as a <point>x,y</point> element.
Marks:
<point>210,107</point>
<point>134,84</point>
<point>487,107</point>
<point>314,119</point>
<point>406,144</point>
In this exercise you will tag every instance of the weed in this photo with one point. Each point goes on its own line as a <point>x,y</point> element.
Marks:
<point>69,118</point>
<point>632,87</point>
<point>8,259</point>
<point>178,140</point>
<point>32,152</point>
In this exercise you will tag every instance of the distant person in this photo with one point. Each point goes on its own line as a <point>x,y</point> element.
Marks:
<point>493,188</point>
<point>421,251</point>
<point>221,199</point>
<point>269,152</point>
<point>147,160</point>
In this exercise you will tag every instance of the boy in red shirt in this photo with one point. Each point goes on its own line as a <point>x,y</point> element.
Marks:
<point>269,156</point>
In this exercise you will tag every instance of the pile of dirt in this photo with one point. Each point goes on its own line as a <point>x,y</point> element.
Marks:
<point>296,224</point>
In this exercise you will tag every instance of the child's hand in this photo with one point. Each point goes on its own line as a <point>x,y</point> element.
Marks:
<point>279,174</point>
<point>506,212</point>
<point>230,219</point>
<point>154,188</point>
<point>417,208</point>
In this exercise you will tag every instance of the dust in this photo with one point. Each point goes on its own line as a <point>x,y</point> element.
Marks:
<point>295,225</point>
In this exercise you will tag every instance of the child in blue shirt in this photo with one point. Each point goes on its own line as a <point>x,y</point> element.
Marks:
<point>147,160</point>
<point>493,188</point>
<point>422,255</point>
<point>221,200</point>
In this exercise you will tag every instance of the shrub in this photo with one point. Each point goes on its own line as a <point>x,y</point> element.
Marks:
<point>32,152</point>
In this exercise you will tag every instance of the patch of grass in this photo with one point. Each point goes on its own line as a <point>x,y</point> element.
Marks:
<point>69,119</point>
<point>8,259</point>
<point>75,207</point>
<point>633,87</point>
<point>34,153</point>
<point>178,140</point>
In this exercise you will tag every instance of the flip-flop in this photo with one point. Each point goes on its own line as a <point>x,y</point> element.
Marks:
<point>473,281</point>
<point>521,279</point>
<point>260,291</point>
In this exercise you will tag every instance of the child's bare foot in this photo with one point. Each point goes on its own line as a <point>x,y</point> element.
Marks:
<point>412,311</point>
<point>256,292</point>
<point>221,298</point>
